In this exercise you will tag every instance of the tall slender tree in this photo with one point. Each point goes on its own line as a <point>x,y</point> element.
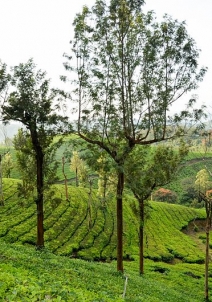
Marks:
<point>75,165</point>
<point>203,184</point>
<point>130,70</point>
<point>7,165</point>
<point>4,83</point>
<point>147,169</point>
<point>31,103</point>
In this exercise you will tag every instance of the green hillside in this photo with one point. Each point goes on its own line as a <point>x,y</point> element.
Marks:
<point>27,275</point>
<point>186,175</point>
<point>82,227</point>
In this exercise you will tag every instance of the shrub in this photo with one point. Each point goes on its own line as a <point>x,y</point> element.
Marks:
<point>165,195</point>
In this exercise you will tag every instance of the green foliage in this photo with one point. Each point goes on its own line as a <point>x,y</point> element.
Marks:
<point>150,167</point>
<point>202,183</point>
<point>130,65</point>
<point>32,103</point>
<point>7,165</point>
<point>25,162</point>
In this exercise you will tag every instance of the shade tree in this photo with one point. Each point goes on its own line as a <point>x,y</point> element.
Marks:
<point>129,71</point>
<point>32,103</point>
<point>26,164</point>
<point>146,169</point>
<point>4,84</point>
<point>203,186</point>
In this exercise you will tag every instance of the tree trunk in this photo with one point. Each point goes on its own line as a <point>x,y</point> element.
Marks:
<point>39,200</point>
<point>40,217</point>
<point>65,178</point>
<point>77,183</point>
<point>119,212</point>
<point>207,259</point>
<point>104,189</point>
<point>1,184</point>
<point>89,204</point>
<point>40,229</point>
<point>141,237</point>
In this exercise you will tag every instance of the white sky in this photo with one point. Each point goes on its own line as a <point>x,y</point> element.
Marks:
<point>42,29</point>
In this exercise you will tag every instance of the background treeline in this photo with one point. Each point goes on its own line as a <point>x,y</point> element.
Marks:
<point>181,189</point>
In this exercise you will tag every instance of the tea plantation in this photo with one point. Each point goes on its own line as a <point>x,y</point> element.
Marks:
<point>85,229</point>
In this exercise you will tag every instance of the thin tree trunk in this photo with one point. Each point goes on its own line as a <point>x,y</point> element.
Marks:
<point>208,210</point>
<point>40,217</point>
<point>119,211</point>
<point>89,204</point>
<point>65,178</point>
<point>207,259</point>
<point>40,229</point>
<point>141,237</point>
<point>104,189</point>
<point>77,183</point>
<point>1,184</point>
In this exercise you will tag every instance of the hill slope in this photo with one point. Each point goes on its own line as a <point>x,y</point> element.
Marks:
<point>29,275</point>
<point>84,228</point>
<point>186,175</point>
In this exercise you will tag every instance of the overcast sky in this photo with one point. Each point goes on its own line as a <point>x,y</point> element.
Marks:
<point>42,29</point>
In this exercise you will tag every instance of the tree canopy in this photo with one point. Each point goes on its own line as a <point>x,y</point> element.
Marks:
<point>31,103</point>
<point>129,70</point>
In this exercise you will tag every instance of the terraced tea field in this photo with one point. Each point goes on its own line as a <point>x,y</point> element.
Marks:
<point>83,228</point>
<point>30,276</point>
